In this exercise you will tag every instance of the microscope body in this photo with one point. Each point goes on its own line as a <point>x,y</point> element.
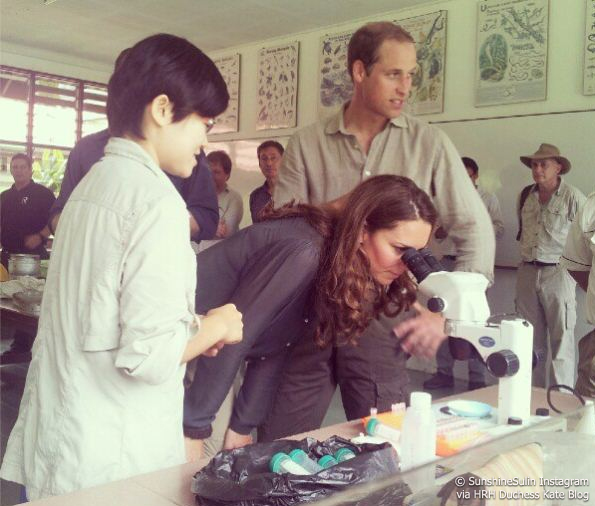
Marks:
<point>506,348</point>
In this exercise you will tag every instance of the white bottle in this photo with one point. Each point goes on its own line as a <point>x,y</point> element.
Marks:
<point>418,433</point>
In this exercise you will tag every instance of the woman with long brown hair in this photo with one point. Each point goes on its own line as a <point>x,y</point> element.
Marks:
<point>305,272</point>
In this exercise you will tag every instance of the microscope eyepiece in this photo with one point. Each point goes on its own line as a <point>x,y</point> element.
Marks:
<point>421,263</point>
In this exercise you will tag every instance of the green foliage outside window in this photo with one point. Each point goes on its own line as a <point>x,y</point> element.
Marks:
<point>49,170</point>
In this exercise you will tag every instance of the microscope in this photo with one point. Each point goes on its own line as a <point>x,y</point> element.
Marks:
<point>506,347</point>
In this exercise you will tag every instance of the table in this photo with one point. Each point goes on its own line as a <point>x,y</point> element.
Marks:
<point>171,486</point>
<point>11,314</point>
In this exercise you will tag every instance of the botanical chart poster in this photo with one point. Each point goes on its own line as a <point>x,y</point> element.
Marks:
<point>335,82</point>
<point>277,86</point>
<point>229,66</point>
<point>589,68</point>
<point>429,32</point>
<point>512,37</point>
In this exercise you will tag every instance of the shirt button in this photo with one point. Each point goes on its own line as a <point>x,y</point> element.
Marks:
<point>367,173</point>
<point>262,358</point>
<point>288,345</point>
<point>306,320</point>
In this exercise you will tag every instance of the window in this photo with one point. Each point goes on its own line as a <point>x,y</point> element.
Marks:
<point>44,116</point>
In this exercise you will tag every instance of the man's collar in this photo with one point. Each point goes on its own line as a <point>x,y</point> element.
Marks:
<point>336,123</point>
<point>14,185</point>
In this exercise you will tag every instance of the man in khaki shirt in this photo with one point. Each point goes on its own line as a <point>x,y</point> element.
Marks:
<point>369,136</point>
<point>545,293</point>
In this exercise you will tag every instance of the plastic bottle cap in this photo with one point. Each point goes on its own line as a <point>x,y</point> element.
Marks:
<point>275,462</point>
<point>298,452</point>
<point>420,400</point>
<point>327,461</point>
<point>371,426</point>
<point>344,454</point>
<point>542,412</point>
<point>514,420</point>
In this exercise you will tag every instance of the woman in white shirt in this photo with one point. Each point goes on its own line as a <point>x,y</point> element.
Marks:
<point>103,396</point>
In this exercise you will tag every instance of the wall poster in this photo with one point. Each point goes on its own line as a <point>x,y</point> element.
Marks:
<point>229,66</point>
<point>429,32</point>
<point>335,82</point>
<point>589,66</point>
<point>277,87</point>
<point>512,38</point>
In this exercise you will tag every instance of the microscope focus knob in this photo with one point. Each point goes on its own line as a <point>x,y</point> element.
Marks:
<point>503,363</point>
<point>436,304</point>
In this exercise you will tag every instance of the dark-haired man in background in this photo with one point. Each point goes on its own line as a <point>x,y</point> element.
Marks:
<point>270,154</point>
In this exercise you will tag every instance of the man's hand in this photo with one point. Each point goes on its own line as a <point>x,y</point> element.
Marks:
<point>32,241</point>
<point>231,318</point>
<point>422,334</point>
<point>194,449</point>
<point>221,232</point>
<point>235,440</point>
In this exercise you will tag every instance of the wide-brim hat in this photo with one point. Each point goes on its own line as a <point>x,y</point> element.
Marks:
<point>548,151</point>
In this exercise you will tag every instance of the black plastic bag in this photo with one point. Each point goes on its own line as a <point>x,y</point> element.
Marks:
<point>242,477</point>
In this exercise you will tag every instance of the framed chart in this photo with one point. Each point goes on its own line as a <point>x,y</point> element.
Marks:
<point>335,86</point>
<point>589,65</point>
<point>229,66</point>
<point>277,87</point>
<point>512,41</point>
<point>429,32</point>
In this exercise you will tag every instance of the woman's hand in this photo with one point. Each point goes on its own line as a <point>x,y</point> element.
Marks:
<point>214,350</point>
<point>194,449</point>
<point>422,334</point>
<point>235,440</point>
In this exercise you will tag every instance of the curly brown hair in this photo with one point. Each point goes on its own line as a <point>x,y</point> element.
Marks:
<point>346,297</point>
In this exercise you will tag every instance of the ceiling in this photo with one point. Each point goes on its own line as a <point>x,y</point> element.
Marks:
<point>80,28</point>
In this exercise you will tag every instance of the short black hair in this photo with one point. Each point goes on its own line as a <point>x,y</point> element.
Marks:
<point>270,144</point>
<point>222,158</point>
<point>163,64</point>
<point>470,163</point>
<point>22,156</point>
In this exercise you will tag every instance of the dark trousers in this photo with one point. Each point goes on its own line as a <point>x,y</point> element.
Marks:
<point>370,374</point>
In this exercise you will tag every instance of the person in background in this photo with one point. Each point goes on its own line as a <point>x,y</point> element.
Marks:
<point>578,259</point>
<point>444,376</point>
<point>546,294</point>
<point>489,199</point>
<point>303,271</point>
<point>197,190</point>
<point>270,154</point>
<point>103,395</point>
<point>231,208</point>
<point>25,209</point>
<point>372,135</point>
<point>24,215</point>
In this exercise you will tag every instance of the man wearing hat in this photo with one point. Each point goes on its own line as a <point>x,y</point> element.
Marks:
<point>545,293</point>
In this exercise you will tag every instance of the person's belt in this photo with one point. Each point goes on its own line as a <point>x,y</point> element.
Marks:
<point>540,264</point>
<point>450,257</point>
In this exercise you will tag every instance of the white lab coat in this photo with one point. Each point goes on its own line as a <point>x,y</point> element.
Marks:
<point>103,396</point>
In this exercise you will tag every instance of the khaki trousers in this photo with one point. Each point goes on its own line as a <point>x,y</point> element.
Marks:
<point>546,297</point>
